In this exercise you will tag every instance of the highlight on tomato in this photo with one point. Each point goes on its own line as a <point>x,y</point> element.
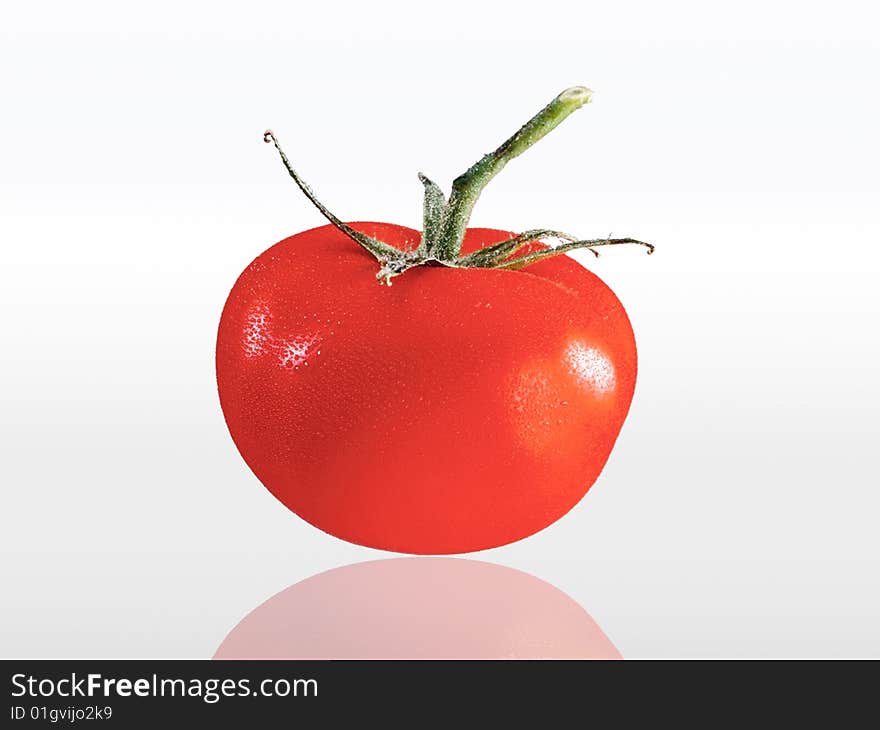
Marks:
<point>469,405</point>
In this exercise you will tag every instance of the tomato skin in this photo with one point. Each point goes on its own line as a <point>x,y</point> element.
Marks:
<point>457,410</point>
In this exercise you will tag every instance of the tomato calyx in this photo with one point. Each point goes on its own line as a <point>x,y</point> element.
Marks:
<point>445,220</point>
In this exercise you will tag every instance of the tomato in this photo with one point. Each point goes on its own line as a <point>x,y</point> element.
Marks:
<point>470,405</point>
<point>459,409</point>
<point>419,608</point>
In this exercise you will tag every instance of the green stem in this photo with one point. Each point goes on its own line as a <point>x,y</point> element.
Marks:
<point>535,256</point>
<point>382,251</point>
<point>445,222</point>
<point>433,210</point>
<point>468,186</point>
<point>497,252</point>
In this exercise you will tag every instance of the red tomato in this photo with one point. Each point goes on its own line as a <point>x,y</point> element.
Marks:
<point>458,410</point>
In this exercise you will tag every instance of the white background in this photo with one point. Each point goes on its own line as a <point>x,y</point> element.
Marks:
<point>737,515</point>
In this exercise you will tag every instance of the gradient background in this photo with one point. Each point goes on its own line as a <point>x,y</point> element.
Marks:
<point>738,513</point>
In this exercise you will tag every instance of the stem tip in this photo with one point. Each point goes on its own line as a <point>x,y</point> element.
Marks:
<point>579,95</point>
<point>268,136</point>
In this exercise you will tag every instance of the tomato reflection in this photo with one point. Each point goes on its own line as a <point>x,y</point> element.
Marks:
<point>419,608</point>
